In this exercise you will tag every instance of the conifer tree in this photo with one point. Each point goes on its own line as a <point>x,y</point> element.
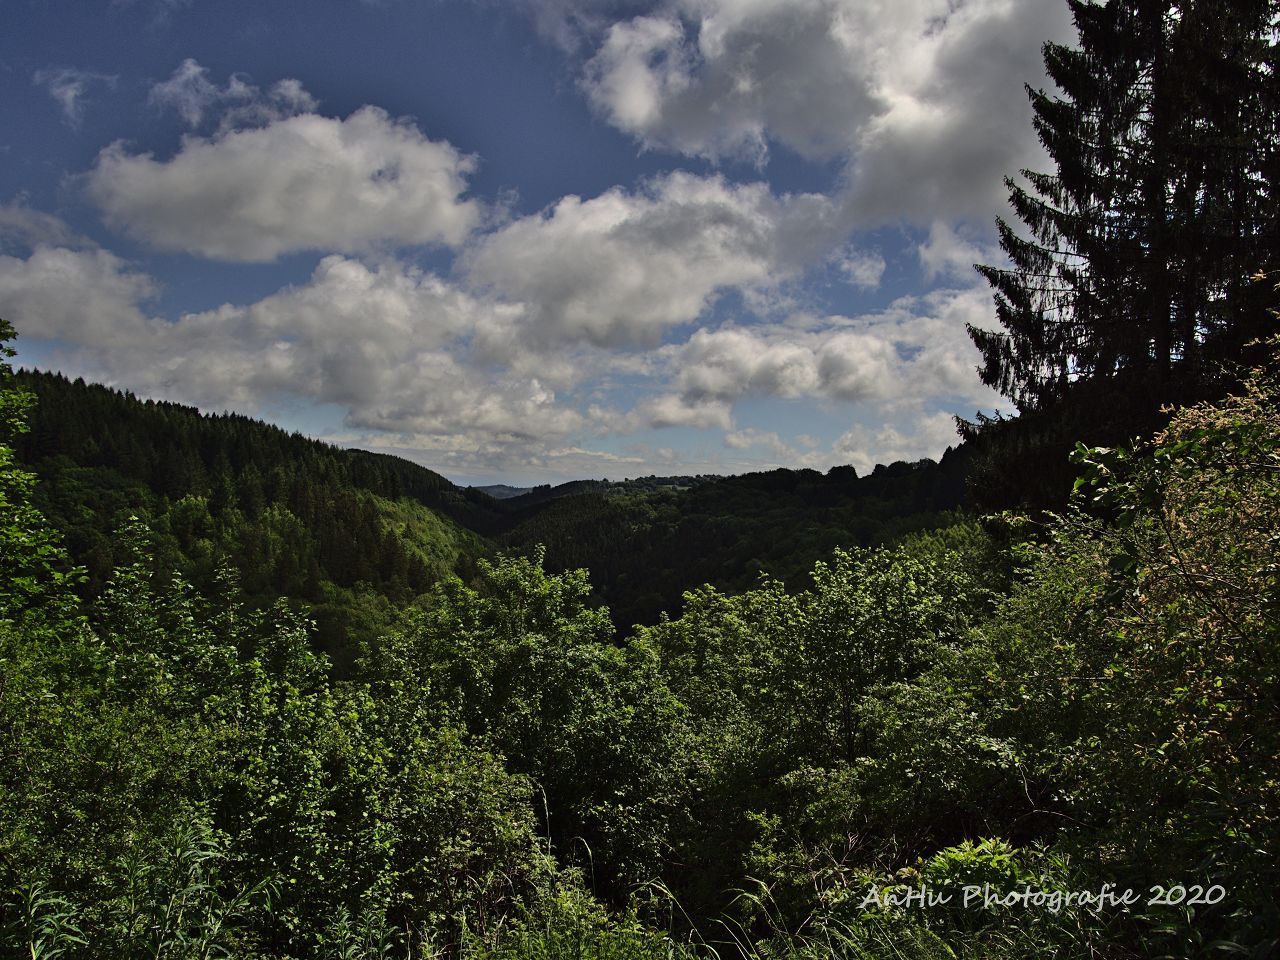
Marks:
<point>1141,246</point>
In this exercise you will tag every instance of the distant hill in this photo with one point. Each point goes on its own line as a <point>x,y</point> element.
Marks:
<point>545,493</point>
<point>356,536</point>
<point>647,541</point>
<point>500,491</point>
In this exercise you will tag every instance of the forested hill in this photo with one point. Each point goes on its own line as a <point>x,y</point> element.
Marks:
<point>354,535</point>
<point>176,449</point>
<point>350,535</point>
<point>521,499</point>
<point>646,542</point>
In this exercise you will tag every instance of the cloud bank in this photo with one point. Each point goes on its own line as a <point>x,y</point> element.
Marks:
<point>302,182</point>
<point>923,99</point>
<point>577,334</point>
<point>623,268</point>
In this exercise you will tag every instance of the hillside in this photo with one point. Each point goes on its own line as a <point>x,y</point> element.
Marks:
<point>501,774</point>
<point>502,491</point>
<point>646,542</point>
<point>347,535</point>
<point>352,535</point>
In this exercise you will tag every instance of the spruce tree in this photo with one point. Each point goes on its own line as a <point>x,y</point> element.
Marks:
<point>1140,248</point>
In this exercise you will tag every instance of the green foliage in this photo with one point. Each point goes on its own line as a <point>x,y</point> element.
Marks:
<point>347,536</point>
<point>1060,704</point>
<point>531,671</point>
<point>140,722</point>
<point>794,700</point>
<point>172,903</point>
<point>28,550</point>
<point>570,926</point>
<point>1131,666</point>
<point>647,543</point>
<point>45,926</point>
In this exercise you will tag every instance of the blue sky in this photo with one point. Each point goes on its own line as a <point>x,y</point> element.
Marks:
<point>523,241</point>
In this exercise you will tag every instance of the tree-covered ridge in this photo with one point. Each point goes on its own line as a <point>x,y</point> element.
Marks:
<point>522,498</point>
<point>346,533</point>
<point>178,450</point>
<point>645,542</point>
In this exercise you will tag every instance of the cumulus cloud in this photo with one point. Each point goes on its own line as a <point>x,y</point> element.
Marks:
<point>304,182</point>
<point>384,342</point>
<point>716,78</point>
<point>670,410</point>
<point>24,227</point>
<point>878,368</point>
<point>727,364</point>
<point>922,98</point>
<point>957,119</point>
<point>624,267</point>
<point>193,96</point>
<point>70,88</point>
<point>950,254</point>
<point>863,270</point>
<point>918,347</point>
<point>771,443</point>
<point>81,296</point>
<point>355,335</point>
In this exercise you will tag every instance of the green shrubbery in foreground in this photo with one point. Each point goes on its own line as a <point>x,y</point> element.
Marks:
<point>1044,708</point>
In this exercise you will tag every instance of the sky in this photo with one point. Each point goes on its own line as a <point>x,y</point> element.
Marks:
<point>523,241</point>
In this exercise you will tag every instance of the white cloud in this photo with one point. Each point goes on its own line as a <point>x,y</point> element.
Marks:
<point>25,227</point>
<point>81,296</point>
<point>70,88</point>
<point>354,335</point>
<point>864,270</point>
<point>624,267</point>
<point>717,78</point>
<point>193,96</point>
<point>384,342</point>
<point>731,363</point>
<point>669,410</point>
<point>304,182</point>
<point>916,348</point>
<point>922,98</point>
<point>956,119</point>
<point>767,440</point>
<point>857,365</point>
<point>950,254</point>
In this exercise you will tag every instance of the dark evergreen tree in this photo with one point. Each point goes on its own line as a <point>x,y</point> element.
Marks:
<point>1135,277</point>
<point>1143,244</point>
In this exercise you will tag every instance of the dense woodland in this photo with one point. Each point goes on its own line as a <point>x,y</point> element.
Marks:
<point>263,697</point>
<point>341,532</point>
